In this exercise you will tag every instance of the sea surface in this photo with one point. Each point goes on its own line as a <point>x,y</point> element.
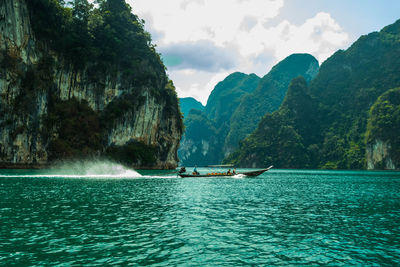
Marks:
<point>104,214</point>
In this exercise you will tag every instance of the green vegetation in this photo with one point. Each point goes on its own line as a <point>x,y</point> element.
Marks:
<point>227,95</point>
<point>76,131</point>
<point>206,131</point>
<point>37,78</point>
<point>278,138</point>
<point>384,122</point>
<point>199,126</point>
<point>172,107</point>
<point>133,152</point>
<point>83,32</point>
<point>236,105</point>
<point>268,96</point>
<point>188,103</point>
<point>128,102</point>
<point>330,132</point>
<point>79,134</point>
<point>102,42</point>
<point>82,132</point>
<point>200,143</point>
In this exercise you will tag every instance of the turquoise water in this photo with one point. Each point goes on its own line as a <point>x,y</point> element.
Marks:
<point>118,216</point>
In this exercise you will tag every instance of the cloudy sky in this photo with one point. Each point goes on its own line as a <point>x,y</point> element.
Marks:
<point>203,41</point>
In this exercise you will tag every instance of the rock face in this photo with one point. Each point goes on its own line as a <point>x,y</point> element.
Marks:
<point>382,135</point>
<point>31,75</point>
<point>378,156</point>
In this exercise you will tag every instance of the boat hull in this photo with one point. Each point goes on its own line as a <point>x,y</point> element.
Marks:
<point>249,174</point>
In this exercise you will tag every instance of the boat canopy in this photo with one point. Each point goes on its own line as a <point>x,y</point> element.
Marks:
<point>221,166</point>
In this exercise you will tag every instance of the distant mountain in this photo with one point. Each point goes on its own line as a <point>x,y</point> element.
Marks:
<point>188,103</point>
<point>200,143</point>
<point>236,105</point>
<point>206,131</point>
<point>324,125</point>
<point>227,95</point>
<point>278,139</point>
<point>268,96</point>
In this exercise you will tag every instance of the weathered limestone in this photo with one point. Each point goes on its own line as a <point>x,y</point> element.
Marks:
<point>21,141</point>
<point>378,156</point>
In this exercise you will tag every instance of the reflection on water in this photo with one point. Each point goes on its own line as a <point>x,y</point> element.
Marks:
<point>281,217</point>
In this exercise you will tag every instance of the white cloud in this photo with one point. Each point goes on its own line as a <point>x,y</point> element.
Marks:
<point>198,84</point>
<point>203,41</point>
<point>320,36</point>
<point>200,55</point>
<point>193,20</point>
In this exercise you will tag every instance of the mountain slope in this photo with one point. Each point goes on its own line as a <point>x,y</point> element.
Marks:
<point>188,103</point>
<point>204,147</point>
<point>268,96</point>
<point>227,94</point>
<point>237,104</point>
<point>342,93</point>
<point>200,143</point>
<point>280,137</point>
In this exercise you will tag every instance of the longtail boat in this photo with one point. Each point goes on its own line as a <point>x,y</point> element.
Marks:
<point>224,174</point>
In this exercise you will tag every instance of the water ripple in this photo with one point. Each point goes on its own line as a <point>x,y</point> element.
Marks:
<point>282,217</point>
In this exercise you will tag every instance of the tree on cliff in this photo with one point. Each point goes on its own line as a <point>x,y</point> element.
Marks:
<point>102,34</point>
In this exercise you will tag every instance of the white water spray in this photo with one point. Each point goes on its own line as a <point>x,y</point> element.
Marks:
<point>99,168</point>
<point>85,169</point>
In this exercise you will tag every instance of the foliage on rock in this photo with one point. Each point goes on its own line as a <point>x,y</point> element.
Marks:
<point>384,122</point>
<point>74,74</point>
<point>333,128</point>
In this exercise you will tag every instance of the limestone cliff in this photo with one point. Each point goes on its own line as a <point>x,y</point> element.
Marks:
<point>378,156</point>
<point>33,77</point>
<point>382,135</point>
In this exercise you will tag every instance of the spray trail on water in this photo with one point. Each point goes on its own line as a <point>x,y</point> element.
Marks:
<point>85,169</point>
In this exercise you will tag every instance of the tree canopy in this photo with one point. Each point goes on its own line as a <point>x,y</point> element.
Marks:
<point>105,32</point>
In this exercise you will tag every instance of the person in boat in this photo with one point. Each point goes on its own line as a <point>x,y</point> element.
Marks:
<point>234,171</point>
<point>229,172</point>
<point>195,172</point>
<point>182,170</point>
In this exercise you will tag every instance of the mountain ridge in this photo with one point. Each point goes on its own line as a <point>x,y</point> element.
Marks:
<point>223,103</point>
<point>188,103</point>
<point>342,94</point>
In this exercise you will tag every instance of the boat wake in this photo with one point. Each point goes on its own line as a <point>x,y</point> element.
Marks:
<point>92,169</point>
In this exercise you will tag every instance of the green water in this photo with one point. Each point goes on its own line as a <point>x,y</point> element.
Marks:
<point>283,217</point>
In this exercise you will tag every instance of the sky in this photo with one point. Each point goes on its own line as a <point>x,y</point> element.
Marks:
<point>203,41</point>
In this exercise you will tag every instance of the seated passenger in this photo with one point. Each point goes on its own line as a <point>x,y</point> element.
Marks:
<point>195,172</point>
<point>182,170</point>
